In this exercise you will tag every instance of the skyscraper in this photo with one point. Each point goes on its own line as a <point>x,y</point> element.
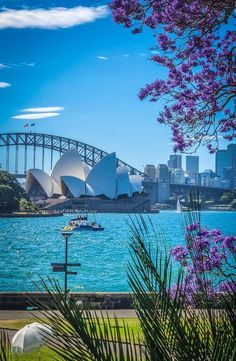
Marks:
<point>192,164</point>
<point>230,176</point>
<point>150,171</point>
<point>231,150</point>
<point>225,159</point>
<point>222,162</point>
<point>163,178</point>
<point>192,168</point>
<point>163,173</point>
<point>175,161</point>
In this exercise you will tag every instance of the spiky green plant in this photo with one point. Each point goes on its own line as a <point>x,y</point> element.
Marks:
<point>170,330</point>
<point>5,348</point>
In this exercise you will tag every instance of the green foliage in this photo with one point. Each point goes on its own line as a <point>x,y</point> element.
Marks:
<point>5,348</point>
<point>233,204</point>
<point>227,197</point>
<point>8,200</point>
<point>10,193</point>
<point>27,206</point>
<point>44,354</point>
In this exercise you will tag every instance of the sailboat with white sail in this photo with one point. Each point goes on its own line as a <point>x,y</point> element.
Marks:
<point>178,207</point>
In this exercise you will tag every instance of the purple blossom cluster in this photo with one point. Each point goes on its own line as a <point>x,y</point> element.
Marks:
<point>208,259</point>
<point>198,50</point>
<point>180,253</point>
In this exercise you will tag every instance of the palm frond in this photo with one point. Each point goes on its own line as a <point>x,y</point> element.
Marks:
<point>85,336</point>
<point>170,330</point>
<point>5,347</point>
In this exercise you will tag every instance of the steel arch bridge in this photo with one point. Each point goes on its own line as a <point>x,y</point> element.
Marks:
<point>89,154</point>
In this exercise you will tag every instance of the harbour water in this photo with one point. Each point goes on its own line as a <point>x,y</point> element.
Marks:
<point>29,246</point>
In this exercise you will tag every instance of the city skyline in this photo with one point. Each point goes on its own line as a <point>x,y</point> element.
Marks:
<point>222,176</point>
<point>82,82</point>
<point>183,156</point>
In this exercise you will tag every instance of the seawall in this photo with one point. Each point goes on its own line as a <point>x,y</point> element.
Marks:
<point>92,300</point>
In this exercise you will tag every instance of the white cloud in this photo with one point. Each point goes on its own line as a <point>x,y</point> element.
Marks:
<point>35,116</point>
<point>155,52</point>
<point>4,66</point>
<point>4,85</point>
<point>43,109</point>
<point>102,57</point>
<point>53,18</point>
<point>19,65</point>
<point>31,65</point>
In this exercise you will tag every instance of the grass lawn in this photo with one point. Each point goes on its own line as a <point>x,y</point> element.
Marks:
<point>16,324</point>
<point>45,353</point>
<point>133,323</point>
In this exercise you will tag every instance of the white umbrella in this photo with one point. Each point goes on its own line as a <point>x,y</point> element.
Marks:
<point>30,337</point>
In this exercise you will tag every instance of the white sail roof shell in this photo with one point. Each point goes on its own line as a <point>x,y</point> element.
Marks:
<point>70,164</point>
<point>75,185</point>
<point>44,180</point>
<point>87,170</point>
<point>135,183</point>
<point>102,177</point>
<point>123,184</point>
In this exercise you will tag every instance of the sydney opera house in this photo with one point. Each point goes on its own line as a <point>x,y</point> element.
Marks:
<point>72,178</point>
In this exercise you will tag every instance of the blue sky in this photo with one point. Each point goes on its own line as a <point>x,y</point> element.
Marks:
<point>92,70</point>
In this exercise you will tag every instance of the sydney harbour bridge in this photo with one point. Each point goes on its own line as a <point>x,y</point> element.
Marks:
<point>22,151</point>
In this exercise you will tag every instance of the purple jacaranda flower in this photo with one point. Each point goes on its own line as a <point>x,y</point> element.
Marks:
<point>192,227</point>
<point>227,287</point>
<point>215,260</point>
<point>180,253</point>
<point>230,243</point>
<point>199,63</point>
<point>201,243</point>
<point>215,232</point>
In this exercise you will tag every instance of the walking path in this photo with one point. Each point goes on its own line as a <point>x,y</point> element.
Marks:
<point>17,315</point>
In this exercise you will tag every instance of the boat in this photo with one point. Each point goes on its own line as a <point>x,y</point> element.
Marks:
<point>81,223</point>
<point>178,207</point>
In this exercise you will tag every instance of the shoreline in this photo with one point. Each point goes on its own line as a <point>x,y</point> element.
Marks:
<point>30,215</point>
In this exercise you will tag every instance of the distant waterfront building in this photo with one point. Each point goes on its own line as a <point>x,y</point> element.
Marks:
<point>177,176</point>
<point>192,168</point>
<point>207,177</point>
<point>175,161</point>
<point>150,171</point>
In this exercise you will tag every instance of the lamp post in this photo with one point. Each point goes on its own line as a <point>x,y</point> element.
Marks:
<point>63,267</point>
<point>66,235</point>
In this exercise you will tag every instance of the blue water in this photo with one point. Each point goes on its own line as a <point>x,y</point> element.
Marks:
<point>29,246</point>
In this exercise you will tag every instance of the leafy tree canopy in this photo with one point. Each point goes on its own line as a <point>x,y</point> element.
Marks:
<point>10,192</point>
<point>27,206</point>
<point>195,42</point>
<point>233,204</point>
